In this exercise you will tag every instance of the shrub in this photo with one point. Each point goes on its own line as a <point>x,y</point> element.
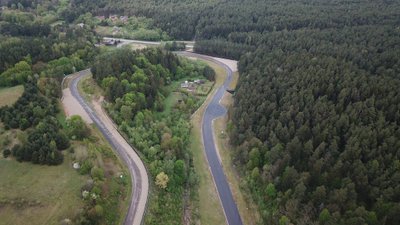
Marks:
<point>6,153</point>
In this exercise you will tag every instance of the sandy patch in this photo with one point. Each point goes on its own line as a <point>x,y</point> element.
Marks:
<point>232,64</point>
<point>137,46</point>
<point>72,106</point>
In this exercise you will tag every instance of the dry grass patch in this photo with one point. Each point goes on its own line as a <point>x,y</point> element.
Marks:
<point>89,88</point>
<point>9,96</point>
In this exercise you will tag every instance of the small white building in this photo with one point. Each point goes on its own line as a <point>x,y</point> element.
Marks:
<point>185,84</point>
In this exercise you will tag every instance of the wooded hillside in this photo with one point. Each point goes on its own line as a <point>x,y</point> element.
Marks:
<point>317,114</point>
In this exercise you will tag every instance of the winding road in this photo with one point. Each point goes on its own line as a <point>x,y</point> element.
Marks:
<point>135,165</point>
<point>137,170</point>
<point>214,110</point>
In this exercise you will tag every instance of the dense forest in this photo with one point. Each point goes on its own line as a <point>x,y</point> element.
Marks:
<point>32,37</point>
<point>232,28</point>
<point>136,84</point>
<point>318,135</point>
<point>317,114</point>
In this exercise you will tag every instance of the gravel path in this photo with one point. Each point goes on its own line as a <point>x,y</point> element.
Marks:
<point>72,107</point>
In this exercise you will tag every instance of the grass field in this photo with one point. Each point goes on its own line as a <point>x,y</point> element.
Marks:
<point>34,194</point>
<point>246,206</point>
<point>209,208</point>
<point>171,101</point>
<point>10,95</point>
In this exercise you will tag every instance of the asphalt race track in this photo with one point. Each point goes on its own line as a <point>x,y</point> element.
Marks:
<point>213,111</point>
<point>135,166</point>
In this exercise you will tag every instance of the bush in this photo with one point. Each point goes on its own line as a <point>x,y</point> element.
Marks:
<point>86,167</point>
<point>97,173</point>
<point>77,128</point>
<point>6,153</point>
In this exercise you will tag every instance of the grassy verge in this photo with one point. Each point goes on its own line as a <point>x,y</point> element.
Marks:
<point>209,208</point>
<point>89,89</point>
<point>10,95</point>
<point>117,189</point>
<point>61,115</point>
<point>247,209</point>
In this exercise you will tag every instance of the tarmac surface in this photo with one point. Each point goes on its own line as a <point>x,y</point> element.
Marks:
<point>137,170</point>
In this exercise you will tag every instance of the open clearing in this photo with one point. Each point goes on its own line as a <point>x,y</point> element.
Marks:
<point>246,206</point>
<point>36,194</point>
<point>10,95</point>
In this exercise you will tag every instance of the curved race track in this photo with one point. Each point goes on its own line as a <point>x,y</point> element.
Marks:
<point>213,111</point>
<point>139,178</point>
<point>136,167</point>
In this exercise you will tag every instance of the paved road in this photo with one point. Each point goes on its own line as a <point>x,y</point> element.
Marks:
<point>213,111</point>
<point>139,178</point>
